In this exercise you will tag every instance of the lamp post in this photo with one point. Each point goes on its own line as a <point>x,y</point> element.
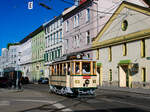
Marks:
<point>17,80</point>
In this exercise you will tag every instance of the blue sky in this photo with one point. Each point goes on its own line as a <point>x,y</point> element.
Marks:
<point>17,21</point>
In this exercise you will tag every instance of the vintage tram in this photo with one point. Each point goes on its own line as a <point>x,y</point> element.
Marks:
<point>73,77</point>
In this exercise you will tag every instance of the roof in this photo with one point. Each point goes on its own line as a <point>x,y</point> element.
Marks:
<point>38,30</point>
<point>124,4</point>
<point>52,20</point>
<point>76,9</point>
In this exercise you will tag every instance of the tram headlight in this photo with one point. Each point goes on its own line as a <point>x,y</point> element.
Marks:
<point>87,81</point>
<point>94,81</point>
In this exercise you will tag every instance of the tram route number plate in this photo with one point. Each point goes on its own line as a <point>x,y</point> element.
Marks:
<point>86,77</point>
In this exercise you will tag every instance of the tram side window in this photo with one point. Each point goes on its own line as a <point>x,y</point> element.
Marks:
<point>86,67</point>
<point>72,65</point>
<point>69,69</point>
<point>57,70</point>
<point>60,69</point>
<point>64,69</point>
<point>54,70</point>
<point>94,67</point>
<point>77,68</point>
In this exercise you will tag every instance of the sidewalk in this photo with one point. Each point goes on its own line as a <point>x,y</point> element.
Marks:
<point>5,90</point>
<point>132,90</point>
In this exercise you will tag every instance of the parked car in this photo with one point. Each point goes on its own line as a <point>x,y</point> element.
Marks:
<point>25,80</point>
<point>5,82</point>
<point>43,80</point>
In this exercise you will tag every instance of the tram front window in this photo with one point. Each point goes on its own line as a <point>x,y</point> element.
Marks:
<point>77,68</point>
<point>86,67</point>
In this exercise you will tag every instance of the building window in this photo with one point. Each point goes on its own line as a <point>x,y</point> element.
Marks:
<point>78,41</point>
<point>67,44</point>
<point>55,53</point>
<point>58,52</point>
<point>54,38</point>
<point>51,40</point>
<point>60,35</point>
<point>88,14</point>
<point>88,37</point>
<point>61,21</point>
<point>57,37</point>
<point>143,76</point>
<point>75,42</point>
<point>44,57</point>
<point>110,54</point>
<point>47,56</point>
<point>75,21</point>
<point>67,25</point>
<point>124,49</point>
<point>52,55</point>
<point>97,54</point>
<point>51,27</point>
<point>143,48</point>
<point>48,29</point>
<point>45,31</point>
<point>110,75</point>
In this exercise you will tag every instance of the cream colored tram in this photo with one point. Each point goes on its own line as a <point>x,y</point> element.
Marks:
<point>73,77</point>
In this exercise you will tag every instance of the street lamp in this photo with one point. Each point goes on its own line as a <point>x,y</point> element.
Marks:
<point>17,80</point>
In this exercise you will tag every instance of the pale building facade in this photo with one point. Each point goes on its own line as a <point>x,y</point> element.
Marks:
<point>13,56</point>
<point>83,22</point>
<point>26,57</point>
<point>4,58</point>
<point>53,41</point>
<point>122,48</point>
<point>38,47</point>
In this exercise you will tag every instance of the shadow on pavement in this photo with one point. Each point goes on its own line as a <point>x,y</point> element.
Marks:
<point>115,110</point>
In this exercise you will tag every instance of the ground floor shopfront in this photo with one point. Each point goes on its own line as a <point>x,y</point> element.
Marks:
<point>38,70</point>
<point>26,70</point>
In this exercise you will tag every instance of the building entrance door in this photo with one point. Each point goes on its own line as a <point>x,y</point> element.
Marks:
<point>124,75</point>
<point>99,75</point>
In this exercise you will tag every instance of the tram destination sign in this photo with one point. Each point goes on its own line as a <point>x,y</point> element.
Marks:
<point>86,77</point>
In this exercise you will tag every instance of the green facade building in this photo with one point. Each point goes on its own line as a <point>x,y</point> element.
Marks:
<point>38,47</point>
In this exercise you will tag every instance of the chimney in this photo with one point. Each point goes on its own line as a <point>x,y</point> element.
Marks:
<point>76,2</point>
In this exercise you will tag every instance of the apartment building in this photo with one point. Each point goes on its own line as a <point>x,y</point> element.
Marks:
<point>54,41</point>
<point>25,53</point>
<point>83,22</point>
<point>38,46</point>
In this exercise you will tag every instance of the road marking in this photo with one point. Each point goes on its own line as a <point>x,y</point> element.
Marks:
<point>60,106</point>
<point>127,103</point>
<point>54,103</point>
<point>40,101</point>
<point>4,103</point>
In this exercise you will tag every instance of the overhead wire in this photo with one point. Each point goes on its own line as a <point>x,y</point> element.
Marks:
<point>74,34</point>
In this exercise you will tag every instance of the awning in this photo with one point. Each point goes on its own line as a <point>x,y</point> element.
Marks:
<point>124,62</point>
<point>99,64</point>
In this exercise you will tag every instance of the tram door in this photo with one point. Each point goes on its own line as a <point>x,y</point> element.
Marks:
<point>99,75</point>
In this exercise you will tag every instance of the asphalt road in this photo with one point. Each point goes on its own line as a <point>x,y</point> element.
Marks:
<point>35,98</point>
